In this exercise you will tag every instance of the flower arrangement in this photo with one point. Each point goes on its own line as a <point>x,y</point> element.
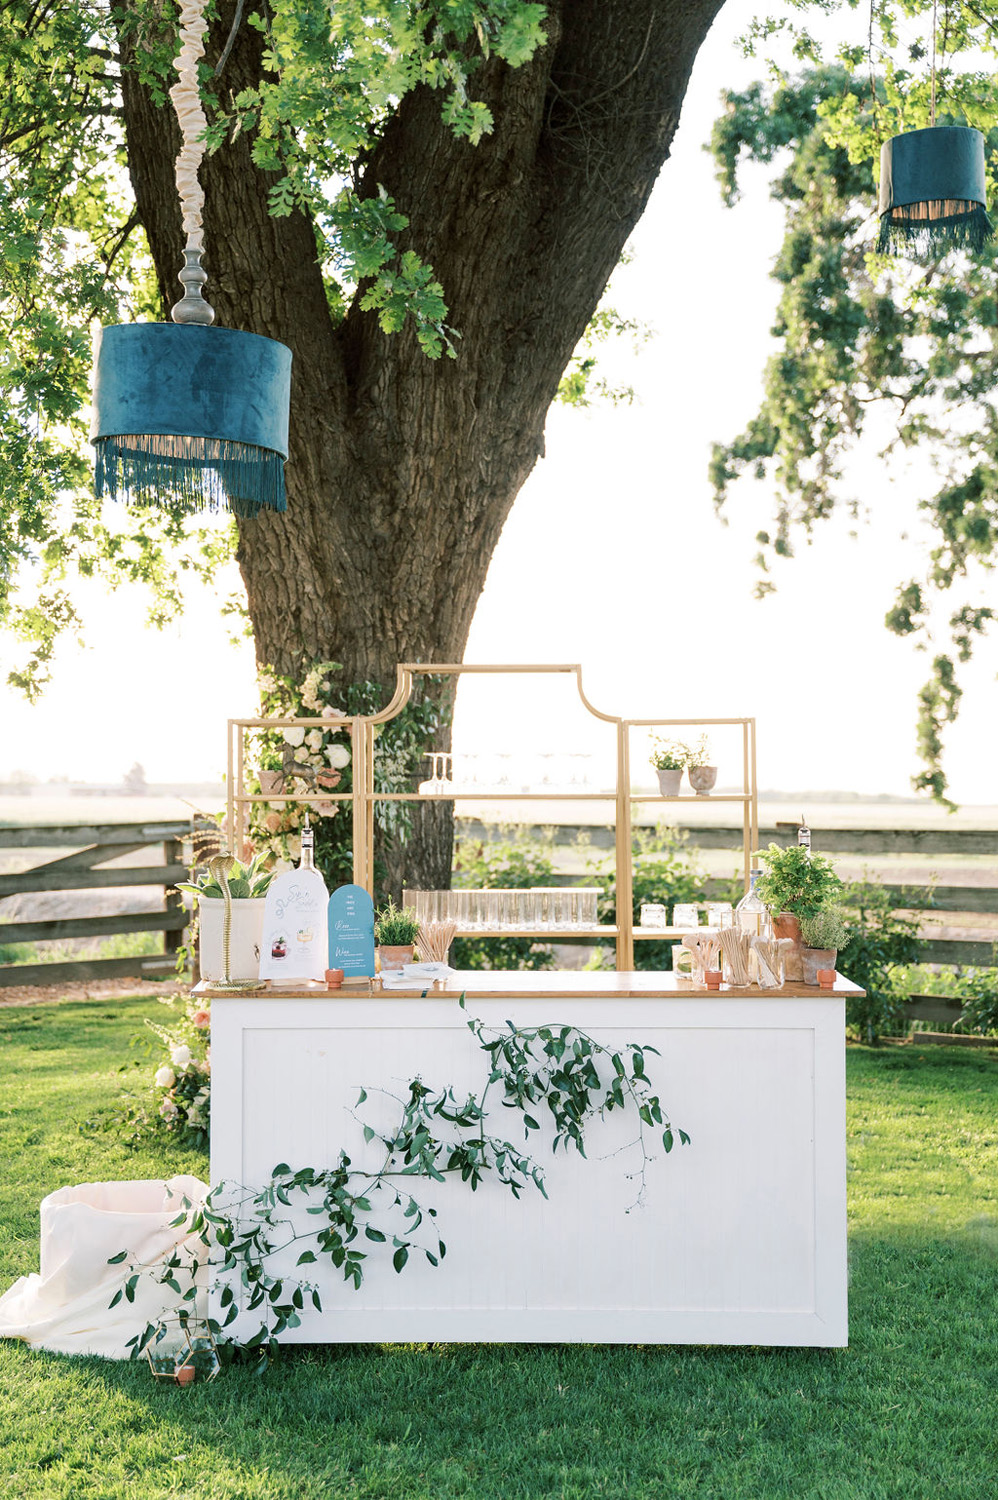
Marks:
<point>668,755</point>
<point>182,1083</point>
<point>317,759</point>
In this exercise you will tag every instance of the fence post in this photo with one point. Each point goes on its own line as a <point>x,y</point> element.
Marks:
<point>173,854</point>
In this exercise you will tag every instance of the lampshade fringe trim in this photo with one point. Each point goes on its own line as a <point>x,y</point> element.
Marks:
<point>928,236</point>
<point>190,474</point>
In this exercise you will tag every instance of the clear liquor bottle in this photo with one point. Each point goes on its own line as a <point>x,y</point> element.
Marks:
<point>751,914</point>
<point>307,861</point>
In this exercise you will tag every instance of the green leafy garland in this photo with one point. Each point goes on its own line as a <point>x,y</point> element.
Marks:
<point>237,1231</point>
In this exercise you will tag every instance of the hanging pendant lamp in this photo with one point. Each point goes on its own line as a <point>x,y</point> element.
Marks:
<point>932,192</point>
<point>187,415</point>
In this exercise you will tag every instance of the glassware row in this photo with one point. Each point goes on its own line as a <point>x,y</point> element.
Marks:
<point>539,908</point>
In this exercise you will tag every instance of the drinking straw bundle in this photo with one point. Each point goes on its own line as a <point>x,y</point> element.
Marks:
<point>434,940</point>
<point>705,946</point>
<point>735,946</point>
<point>767,952</point>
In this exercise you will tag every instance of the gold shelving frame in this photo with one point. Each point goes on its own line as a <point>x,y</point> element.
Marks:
<point>364,796</point>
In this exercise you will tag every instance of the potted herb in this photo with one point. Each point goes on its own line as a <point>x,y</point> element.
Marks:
<point>796,884</point>
<point>247,886</point>
<point>395,929</point>
<point>668,757</point>
<point>701,773</point>
<point>823,935</point>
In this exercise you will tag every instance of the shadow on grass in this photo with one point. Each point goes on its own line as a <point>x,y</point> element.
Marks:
<point>907,1410</point>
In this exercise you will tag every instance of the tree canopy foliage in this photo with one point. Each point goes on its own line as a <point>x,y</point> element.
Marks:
<point>859,334</point>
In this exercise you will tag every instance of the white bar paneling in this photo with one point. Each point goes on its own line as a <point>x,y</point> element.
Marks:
<point>741,1237</point>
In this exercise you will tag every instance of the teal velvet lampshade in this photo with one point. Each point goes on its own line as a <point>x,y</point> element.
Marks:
<point>191,417</point>
<point>932,191</point>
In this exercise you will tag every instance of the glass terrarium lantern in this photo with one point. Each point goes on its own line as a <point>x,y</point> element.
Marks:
<point>182,1351</point>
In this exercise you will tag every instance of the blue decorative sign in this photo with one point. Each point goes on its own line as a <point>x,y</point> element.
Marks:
<point>351,931</point>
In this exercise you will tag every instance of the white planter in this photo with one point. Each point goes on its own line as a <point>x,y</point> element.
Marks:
<point>668,781</point>
<point>702,779</point>
<point>244,940</point>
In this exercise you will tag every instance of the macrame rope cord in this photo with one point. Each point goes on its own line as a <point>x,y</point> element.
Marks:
<point>191,117</point>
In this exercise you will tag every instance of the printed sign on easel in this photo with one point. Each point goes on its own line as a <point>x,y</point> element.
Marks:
<point>351,931</point>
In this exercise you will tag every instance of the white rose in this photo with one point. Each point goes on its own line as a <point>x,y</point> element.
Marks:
<point>266,683</point>
<point>295,735</point>
<point>329,712</point>
<point>294,847</point>
<point>338,756</point>
<point>314,739</point>
<point>168,1110</point>
<point>180,1056</point>
<point>165,1077</point>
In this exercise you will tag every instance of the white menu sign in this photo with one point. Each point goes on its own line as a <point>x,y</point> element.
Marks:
<point>294,928</point>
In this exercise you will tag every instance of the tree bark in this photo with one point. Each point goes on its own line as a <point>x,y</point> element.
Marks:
<point>402,469</point>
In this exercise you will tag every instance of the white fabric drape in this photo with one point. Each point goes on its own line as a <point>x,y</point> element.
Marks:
<point>66,1306</point>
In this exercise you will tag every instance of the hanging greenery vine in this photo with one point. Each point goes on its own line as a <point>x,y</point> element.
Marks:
<point>237,1234</point>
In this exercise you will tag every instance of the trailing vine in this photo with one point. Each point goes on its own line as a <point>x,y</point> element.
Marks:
<point>238,1233</point>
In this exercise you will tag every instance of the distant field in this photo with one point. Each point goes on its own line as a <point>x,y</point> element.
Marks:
<point>700,811</point>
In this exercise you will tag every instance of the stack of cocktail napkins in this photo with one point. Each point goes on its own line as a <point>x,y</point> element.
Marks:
<point>415,976</point>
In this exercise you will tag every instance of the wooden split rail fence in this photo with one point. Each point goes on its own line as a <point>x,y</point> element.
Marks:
<point>94,845</point>
<point>85,869</point>
<point>930,902</point>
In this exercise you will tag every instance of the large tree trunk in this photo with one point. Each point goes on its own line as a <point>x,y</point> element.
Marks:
<point>402,469</point>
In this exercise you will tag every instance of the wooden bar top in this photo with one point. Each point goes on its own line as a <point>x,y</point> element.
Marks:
<point>538,984</point>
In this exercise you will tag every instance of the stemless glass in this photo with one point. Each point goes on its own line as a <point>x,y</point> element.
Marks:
<point>490,910</point>
<point>685,917</point>
<point>562,914</point>
<point>653,914</point>
<point>720,914</point>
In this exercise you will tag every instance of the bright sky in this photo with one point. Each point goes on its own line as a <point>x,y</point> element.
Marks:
<point>612,556</point>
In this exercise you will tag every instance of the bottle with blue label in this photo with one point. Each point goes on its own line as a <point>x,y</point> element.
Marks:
<point>294,943</point>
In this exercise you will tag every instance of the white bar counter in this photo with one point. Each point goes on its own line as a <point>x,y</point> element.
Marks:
<point>741,1235</point>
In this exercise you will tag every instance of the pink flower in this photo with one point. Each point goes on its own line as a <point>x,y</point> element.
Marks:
<point>201,1018</point>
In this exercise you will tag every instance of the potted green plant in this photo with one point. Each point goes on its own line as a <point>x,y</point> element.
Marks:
<point>395,929</point>
<point>702,774</point>
<point>822,934</point>
<point>248,885</point>
<point>668,757</point>
<point>795,884</point>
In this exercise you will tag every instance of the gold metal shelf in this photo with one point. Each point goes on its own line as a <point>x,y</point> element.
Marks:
<point>364,797</point>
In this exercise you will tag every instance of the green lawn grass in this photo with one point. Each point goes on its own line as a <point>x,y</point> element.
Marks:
<point>909,1409</point>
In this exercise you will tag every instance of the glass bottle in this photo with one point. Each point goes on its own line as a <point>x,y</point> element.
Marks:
<point>307,861</point>
<point>804,835</point>
<point>751,914</point>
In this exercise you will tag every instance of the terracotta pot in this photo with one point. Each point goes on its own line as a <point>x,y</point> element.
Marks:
<point>271,782</point>
<point>668,781</point>
<point>786,925</point>
<point>185,1375</point>
<point>826,978</point>
<point>713,978</point>
<point>395,957</point>
<point>815,959</point>
<point>702,778</point>
<point>334,978</point>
